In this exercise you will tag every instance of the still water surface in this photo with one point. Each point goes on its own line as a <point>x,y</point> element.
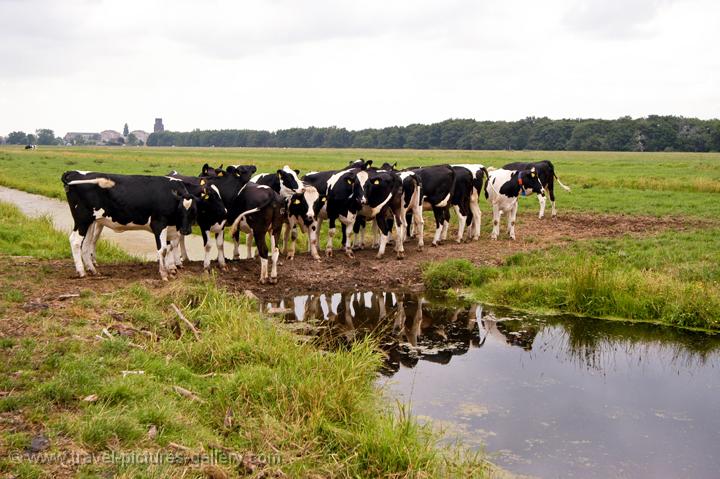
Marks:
<point>545,396</point>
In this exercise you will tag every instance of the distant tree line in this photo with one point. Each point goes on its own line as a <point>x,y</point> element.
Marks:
<point>43,136</point>
<point>653,133</point>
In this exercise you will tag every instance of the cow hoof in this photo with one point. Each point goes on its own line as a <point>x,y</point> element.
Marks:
<point>420,247</point>
<point>349,254</point>
<point>290,257</point>
<point>223,267</point>
<point>81,275</point>
<point>329,253</point>
<point>317,257</point>
<point>433,244</point>
<point>379,256</point>
<point>165,278</point>
<point>400,255</point>
<point>273,280</point>
<point>263,281</point>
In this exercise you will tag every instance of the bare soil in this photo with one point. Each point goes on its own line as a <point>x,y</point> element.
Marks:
<point>340,273</point>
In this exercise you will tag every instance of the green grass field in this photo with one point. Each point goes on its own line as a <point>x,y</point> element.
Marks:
<point>606,182</point>
<point>304,411</point>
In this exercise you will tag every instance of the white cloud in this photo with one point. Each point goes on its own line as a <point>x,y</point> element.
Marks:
<point>90,65</point>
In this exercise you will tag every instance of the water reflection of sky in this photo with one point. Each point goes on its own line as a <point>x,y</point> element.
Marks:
<point>550,397</point>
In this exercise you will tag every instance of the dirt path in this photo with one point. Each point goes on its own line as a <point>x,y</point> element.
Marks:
<point>136,243</point>
<point>304,275</point>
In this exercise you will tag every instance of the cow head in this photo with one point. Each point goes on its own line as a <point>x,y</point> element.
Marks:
<point>360,164</point>
<point>289,181</point>
<point>210,203</point>
<point>529,181</point>
<point>208,170</point>
<point>241,172</point>
<point>305,205</point>
<point>379,187</point>
<point>186,211</point>
<point>388,167</point>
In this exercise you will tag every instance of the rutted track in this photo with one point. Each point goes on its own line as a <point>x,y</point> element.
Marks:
<point>303,275</point>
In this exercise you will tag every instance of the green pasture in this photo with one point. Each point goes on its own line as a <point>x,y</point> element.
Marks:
<point>604,182</point>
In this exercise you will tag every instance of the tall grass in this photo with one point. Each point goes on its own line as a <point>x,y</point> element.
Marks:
<point>37,237</point>
<point>672,278</point>
<point>319,413</point>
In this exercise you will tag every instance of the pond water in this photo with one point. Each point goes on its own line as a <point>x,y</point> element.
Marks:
<point>545,396</point>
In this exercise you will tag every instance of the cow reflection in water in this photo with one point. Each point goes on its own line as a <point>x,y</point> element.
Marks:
<point>409,326</point>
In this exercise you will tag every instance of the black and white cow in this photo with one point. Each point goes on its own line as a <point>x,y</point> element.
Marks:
<point>503,188</point>
<point>261,208</point>
<point>285,182</point>
<point>438,183</point>
<point>302,210</point>
<point>546,174</point>
<point>479,174</point>
<point>342,195</point>
<point>229,182</point>
<point>125,202</point>
<point>211,218</point>
<point>384,201</point>
<point>30,147</point>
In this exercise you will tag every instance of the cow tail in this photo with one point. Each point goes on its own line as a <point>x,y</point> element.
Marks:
<point>487,181</point>
<point>235,224</point>
<point>552,168</point>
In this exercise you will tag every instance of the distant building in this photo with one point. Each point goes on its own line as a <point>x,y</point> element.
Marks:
<point>83,138</point>
<point>140,135</point>
<point>159,127</point>
<point>111,136</point>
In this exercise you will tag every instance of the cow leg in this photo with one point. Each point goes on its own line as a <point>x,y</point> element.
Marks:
<point>236,244</point>
<point>290,238</point>
<point>511,220</point>
<point>400,235</point>
<point>446,223</point>
<point>96,236</point>
<point>347,242</point>
<point>376,235</point>
<point>384,234</point>
<point>275,252</point>
<point>161,245</point>
<point>409,221</point>
<point>461,224</point>
<point>249,244</point>
<point>331,235</point>
<point>86,250</point>
<point>551,192</point>
<point>439,219</point>
<point>359,229</point>
<point>262,252</point>
<point>313,234</point>
<point>541,200</point>
<point>220,244</point>
<point>206,247</point>
<point>183,250</point>
<point>496,222</point>
<point>476,218</point>
<point>417,219</point>
<point>171,250</point>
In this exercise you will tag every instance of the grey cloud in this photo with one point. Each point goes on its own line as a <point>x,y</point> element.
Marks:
<point>613,19</point>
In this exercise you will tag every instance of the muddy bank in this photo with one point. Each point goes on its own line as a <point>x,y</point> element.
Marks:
<point>339,273</point>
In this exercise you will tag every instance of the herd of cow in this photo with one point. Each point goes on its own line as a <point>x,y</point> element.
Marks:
<point>257,204</point>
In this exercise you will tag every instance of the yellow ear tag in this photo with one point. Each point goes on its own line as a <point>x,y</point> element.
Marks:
<point>322,200</point>
<point>349,182</point>
<point>376,182</point>
<point>296,202</point>
<point>205,196</point>
<point>221,174</point>
<point>202,182</point>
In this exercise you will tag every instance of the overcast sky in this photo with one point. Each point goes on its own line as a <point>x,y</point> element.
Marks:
<point>93,65</point>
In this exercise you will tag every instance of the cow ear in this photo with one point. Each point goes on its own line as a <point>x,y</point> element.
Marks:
<point>368,162</point>
<point>394,165</point>
<point>297,172</point>
<point>220,167</point>
<point>205,168</point>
